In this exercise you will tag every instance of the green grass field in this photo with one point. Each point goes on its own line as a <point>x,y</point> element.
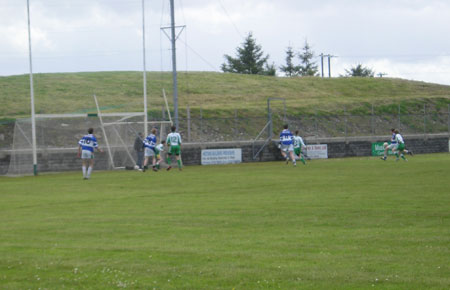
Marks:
<point>354,223</point>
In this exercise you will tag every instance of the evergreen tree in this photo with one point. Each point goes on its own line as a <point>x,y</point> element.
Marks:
<point>307,66</point>
<point>290,69</point>
<point>249,59</point>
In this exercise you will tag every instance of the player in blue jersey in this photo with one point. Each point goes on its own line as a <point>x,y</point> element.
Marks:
<point>150,144</point>
<point>287,145</point>
<point>86,152</point>
<point>391,146</point>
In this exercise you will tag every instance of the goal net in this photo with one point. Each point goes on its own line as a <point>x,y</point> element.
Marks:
<point>57,139</point>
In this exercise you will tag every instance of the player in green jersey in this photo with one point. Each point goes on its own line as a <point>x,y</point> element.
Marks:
<point>174,141</point>
<point>298,146</point>
<point>400,149</point>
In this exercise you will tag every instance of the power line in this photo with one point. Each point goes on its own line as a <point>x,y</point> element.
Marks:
<point>199,55</point>
<point>231,20</point>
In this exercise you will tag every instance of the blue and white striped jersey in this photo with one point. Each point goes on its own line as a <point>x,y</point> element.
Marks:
<point>393,140</point>
<point>286,137</point>
<point>88,142</point>
<point>150,141</point>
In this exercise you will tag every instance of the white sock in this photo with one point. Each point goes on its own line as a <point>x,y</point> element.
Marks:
<point>89,172</point>
<point>83,168</point>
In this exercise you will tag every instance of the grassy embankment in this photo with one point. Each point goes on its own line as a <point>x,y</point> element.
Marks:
<point>216,93</point>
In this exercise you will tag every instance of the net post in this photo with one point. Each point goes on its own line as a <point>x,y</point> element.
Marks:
<point>104,132</point>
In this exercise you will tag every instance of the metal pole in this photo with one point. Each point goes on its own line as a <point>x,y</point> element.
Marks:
<point>316,125</point>
<point>329,66</point>
<point>345,119</point>
<point>174,63</point>
<point>188,112</point>
<point>145,72</point>
<point>321,63</point>
<point>33,116</point>
<point>269,120</point>
<point>372,125</point>
<point>201,124</point>
<point>236,124</point>
<point>424,120</point>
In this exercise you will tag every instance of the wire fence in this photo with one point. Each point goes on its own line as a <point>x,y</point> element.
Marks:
<point>241,126</point>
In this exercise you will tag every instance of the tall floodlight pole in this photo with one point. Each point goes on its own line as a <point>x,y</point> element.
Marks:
<point>33,117</point>
<point>174,63</point>
<point>144,69</point>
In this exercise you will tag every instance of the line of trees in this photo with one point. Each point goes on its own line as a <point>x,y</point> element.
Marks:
<point>250,59</point>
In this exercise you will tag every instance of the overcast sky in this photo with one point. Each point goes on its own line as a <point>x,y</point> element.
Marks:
<point>402,38</point>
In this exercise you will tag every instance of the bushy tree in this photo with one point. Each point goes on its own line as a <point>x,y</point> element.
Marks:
<point>249,59</point>
<point>307,66</point>
<point>360,71</point>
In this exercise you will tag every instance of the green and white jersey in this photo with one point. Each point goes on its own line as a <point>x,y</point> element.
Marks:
<point>159,148</point>
<point>173,139</point>
<point>399,139</point>
<point>298,142</point>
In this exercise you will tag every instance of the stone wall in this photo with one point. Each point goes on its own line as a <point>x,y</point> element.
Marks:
<point>66,159</point>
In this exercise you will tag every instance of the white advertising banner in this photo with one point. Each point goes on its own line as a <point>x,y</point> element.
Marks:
<point>221,156</point>
<point>317,151</point>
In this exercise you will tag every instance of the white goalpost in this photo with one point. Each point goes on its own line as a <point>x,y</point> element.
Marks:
<point>117,132</point>
<point>57,137</point>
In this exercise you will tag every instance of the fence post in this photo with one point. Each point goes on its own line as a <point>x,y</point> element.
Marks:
<point>345,120</point>
<point>372,124</point>
<point>424,120</point>
<point>235,124</point>
<point>201,125</point>
<point>188,114</point>
<point>316,125</point>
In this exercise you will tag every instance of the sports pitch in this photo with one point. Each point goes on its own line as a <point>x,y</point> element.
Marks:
<point>354,223</point>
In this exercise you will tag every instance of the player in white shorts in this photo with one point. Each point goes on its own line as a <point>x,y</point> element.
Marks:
<point>287,145</point>
<point>174,141</point>
<point>149,144</point>
<point>86,147</point>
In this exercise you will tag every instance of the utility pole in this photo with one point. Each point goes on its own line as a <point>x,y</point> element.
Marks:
<point>144,71</point>
<point>174,64</point>
<point>173,38</point>
<point>321,64</point>
<point>329,63</point>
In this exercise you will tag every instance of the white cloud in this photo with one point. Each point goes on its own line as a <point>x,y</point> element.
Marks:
<point>404,38</point>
